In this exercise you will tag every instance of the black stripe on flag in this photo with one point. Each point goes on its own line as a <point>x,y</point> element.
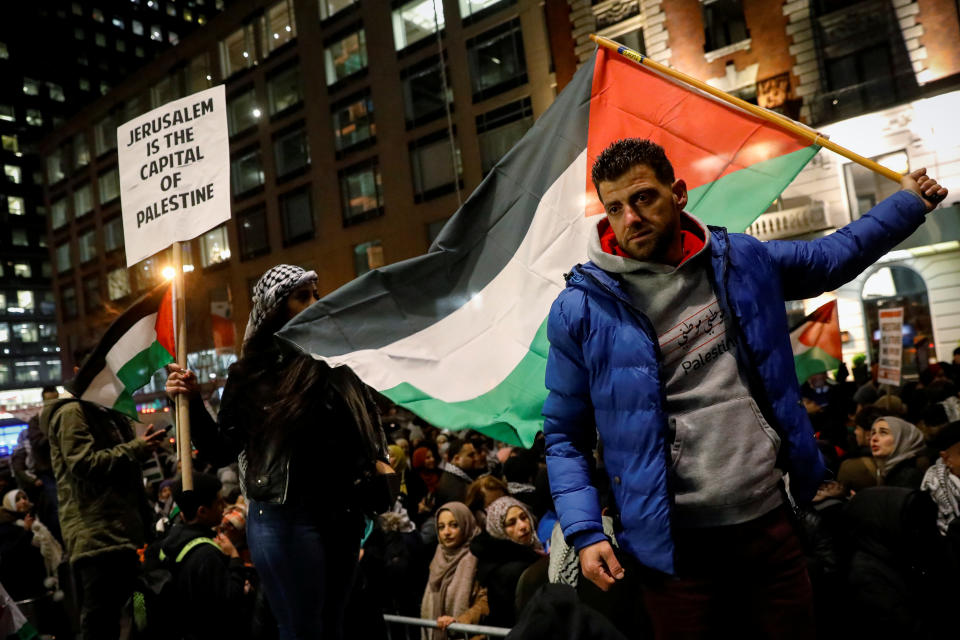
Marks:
<point>97,360</point>
<point>390,303</point>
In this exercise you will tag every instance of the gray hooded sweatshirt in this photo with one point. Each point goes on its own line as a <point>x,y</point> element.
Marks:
<point>722,450</point>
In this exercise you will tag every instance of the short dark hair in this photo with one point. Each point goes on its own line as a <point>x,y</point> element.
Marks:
<point>868,415</point>
<point>204,494</point>
<point>49,389</point>
<point>626,153</point>
<point>454,444</point>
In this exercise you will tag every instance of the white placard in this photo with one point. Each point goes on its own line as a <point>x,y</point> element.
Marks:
<point>174,173</point>
<point>891,346</point>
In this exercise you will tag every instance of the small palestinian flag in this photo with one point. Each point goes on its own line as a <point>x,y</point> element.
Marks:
<point>816,342</point>
<point>458,335</point>
<point>134,347</point>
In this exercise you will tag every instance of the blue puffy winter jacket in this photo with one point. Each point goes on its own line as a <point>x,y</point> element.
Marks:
<point>603,372</point>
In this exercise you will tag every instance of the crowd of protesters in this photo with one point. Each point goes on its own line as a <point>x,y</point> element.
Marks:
<point>303,532</point>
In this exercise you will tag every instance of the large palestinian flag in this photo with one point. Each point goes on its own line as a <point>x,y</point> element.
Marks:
<point>134,347</point>
<point>458,335</point>
<point>817,346</point>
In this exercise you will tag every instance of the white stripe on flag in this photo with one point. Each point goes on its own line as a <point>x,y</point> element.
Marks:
<point>470,351</point>
<point>106,387</point>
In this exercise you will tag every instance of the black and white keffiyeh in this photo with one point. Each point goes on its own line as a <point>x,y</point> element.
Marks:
<point>944,488</point>
<point>271,289</point>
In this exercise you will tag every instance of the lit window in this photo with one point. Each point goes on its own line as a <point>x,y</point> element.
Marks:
<point>330,7</point>
<point>81,151</point>
<point>98,15</point>
<point>171,9</point>
<point>214,247</point>
<point>242,112</point>
<point>7,113</point>
<point>63,257</point>
<point>25,300</point>
<point>84,84</point>
<point>346,57</point>
<point>173,38</point>
<point>87,243</point>
<point>353,121</point>
<point>15,206</point>
<point>109,185</point>
<point>82,200</point>
<point>278,25</point>
<point>155,33</point>
<point>22,270</point>
<point>153,4</point>
<point>237,51</point>
<point>188,15</point>
<point>118,23</point>
<point>100,39</point>
<point>284,90</point>
<point>10,143</point>
<point>19,238</point>
<point>4,52</point>
<point>58,213</point>
<point>118,284</point>
<point>13,173</point>
<point>367,256</point>
<point>470,7</point>
<point>34,118</point>
<point>137,27</point>
<point>197,74</point>
<point>31,87</point>
<point>201,19</point>
<point>361,193</point>
<point>104,87</point>
<point>416,20</point>
<point>56,92</point>
<point>106,135</point>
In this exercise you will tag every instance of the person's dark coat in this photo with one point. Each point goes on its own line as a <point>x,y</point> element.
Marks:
<point>894,580</point>
<point>556,613</point>
<point>500,563</point>
<point>209,586</point>
<point>451,488</point>
<point>907,475</point>
<point>21,565</point>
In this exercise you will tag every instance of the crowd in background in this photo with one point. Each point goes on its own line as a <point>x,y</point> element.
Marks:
<point>472,534</point>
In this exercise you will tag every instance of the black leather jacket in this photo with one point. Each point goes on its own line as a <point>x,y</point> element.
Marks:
<point>327,449</point>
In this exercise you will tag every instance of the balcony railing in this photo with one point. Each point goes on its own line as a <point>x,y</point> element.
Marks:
<point>789,223</point>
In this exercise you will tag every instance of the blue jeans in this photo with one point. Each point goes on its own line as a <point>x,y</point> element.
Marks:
<point>306,561</point>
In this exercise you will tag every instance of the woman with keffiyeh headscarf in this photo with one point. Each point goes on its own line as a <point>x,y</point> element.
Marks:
<point>279,411</point>
<point>896,445</point>
<point>452,593</point>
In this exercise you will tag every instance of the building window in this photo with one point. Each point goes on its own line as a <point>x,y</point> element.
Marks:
<point>82,201</point>
<point>113,234</point>
<point>68,302</point>
<point>84,84</point>
<point>4,52</point>
<point>139,52</point>
<point>31,87</point>
<point>6,327</point>
<point>25,332</point>
<point>22,270</point>
<point>173,38</point>
<point>134,107</point>
<point>58,213</point>
<point>88,246</point>
<point>500,129</point>
<point>297,216</point>
<point>46,270</point>
<point>106,135</point>
<point>137,27</point>
<point>353,121</point>
<point>237,52</point>
<point>164,91</point>
<point>196,76</point>
<point>24,301</point>
<point>100,40</point>
<point>121,46</point>
<point>416,20</point>
<point>361,193</point>
<point>55,167</point>
<point>252,232</point>
<point>284,90</point>
<point>13,173</point>
<point>278,26</point>
<point>346,57</point>
<point>214,247</point>
<point>866,188</point>
<point>155,33</point>
<point>367,256</point>
<point>109,185</point>
<point>423,93</point>
<point>19,238</point>
<point>291,151</point>
<point>435,169</point>
<point>97,15</point>
<point>34,118</point>
<point>723,23</point>
<point>243,112</point>
<point>497,61</point>
<point>7,113</point>
<point>246,172</point>
<point>81,151</point>
<point>27,372</point>
<point>118,284</point>
<point>148,273</point>
<point>331,7</point>
<point>56,92</point>
<point>16,206</point>
<point>54,370</point>
<point>117,22</point>
<point>63,257</point>
<point>470,7</point>
<point>91,294</point>
<point>10,143</point>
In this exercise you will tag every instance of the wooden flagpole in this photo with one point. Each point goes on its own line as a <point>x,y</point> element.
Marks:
<point>784,122</point>
<point>184,448</point>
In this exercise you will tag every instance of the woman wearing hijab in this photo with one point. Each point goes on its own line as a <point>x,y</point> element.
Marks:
<point>22,565</point>
<point>896,445</point>
<point>425,463</point>
<point>279,411</point>
<point>452,593</point>
<point>507,548</point>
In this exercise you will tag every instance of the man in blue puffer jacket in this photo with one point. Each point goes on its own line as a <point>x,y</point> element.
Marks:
<point>672,345</point>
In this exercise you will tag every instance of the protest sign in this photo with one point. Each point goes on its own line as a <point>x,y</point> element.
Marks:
<point>174,173</point>
<point>891,346</point>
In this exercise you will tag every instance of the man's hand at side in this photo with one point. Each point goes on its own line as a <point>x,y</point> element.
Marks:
<point>924,186</point>
<point>600,565</point>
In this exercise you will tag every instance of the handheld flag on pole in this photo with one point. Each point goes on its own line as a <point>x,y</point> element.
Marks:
<point>458,335</point>
<point>138,343</point>
<point>816,342</point>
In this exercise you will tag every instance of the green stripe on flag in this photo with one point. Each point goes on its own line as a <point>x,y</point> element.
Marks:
<point>137,372</point>
<point>813,360</point>
<point>734,200</point>
<point>510,412</point>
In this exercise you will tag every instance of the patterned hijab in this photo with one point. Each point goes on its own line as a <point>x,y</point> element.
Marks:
<point>907,443</point>
<point>497,516</point>
<point>271,290</point>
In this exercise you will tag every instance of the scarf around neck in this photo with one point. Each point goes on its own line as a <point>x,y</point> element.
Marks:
<point>452,571</point>
<point>944,488</point>
<point>907,443</point>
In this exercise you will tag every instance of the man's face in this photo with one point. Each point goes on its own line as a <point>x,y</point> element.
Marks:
<point>644,214</point>
<point>951,458</point>
<point>466,458</point>
<point>211,515</point>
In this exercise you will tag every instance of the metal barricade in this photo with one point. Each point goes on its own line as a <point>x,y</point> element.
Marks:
<point>412,626</point>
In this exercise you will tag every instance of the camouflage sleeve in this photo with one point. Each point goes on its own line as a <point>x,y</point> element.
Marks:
<point>72,435</point>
